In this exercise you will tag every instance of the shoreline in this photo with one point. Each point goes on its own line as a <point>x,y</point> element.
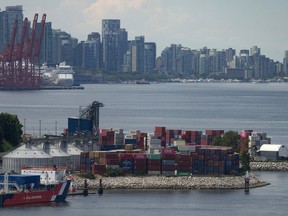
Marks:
<point>269,166</point>
<point>171,183</point>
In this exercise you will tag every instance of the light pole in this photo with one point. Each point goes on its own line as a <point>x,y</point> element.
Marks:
<point>247,184</point>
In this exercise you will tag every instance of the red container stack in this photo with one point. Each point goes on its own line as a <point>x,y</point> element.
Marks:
<point>184,163</point>
<point>168,161</point>
<point>140,163</point>
<point>161,133</point>
<point>107,137</point>
<point>154,164</point>
<point>141,139</point>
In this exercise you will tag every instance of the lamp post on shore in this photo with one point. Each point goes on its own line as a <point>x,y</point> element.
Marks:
<point>247,184</point>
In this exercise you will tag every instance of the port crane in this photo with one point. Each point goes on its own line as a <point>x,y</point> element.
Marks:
<point>20,63</point>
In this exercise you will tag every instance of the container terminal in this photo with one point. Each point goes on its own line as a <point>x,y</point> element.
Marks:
<point>84,147</point>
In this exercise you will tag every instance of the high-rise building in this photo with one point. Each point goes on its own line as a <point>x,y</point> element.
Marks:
<point>169,59</point>
<point>7,19</point>
<point>92,52</point>
<point>56,46</point>
<point>255,51</point>
<point>46,47</point>
<point>184,62</point>
<point>149,57</point>
<point>285,63</point>
<point>123,47</point>
<point>110,40</point>
<point>138,54</point>
<point>230,53</point>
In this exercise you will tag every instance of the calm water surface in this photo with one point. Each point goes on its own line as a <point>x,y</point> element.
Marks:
<point>199,106</point>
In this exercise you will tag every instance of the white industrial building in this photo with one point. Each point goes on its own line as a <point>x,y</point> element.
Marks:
<point>273,152</point>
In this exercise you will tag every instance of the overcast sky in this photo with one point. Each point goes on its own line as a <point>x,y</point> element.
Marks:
<point>218,24</point>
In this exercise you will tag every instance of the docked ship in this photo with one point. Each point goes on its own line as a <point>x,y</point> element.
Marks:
<point>34,185</point>
<point>62,75</point>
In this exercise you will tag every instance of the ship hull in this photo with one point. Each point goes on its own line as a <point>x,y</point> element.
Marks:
<point>57,194</point>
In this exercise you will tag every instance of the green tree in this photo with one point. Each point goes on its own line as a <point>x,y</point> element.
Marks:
<point>10,131</point>
<point>245,160</point>
<point>217,141</point>
<point>231,138</point>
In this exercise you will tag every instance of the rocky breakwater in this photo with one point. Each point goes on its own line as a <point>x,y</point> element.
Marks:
<point>269,166</point>
<point>175,182</point>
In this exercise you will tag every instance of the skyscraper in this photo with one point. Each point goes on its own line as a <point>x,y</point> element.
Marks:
<point>110,40</point>
<point>138,54</point>
<point>285,63</point>
<point>46,46</point>
<point>7,19</point>
<point>149,57</point>
<point>92,52</point>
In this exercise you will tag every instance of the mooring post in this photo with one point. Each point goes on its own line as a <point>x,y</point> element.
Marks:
<point>100,189</point>
<point>247,184</point>
<point>85,188</point>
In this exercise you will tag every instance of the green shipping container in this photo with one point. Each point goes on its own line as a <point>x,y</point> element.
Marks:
<point>154,156</point>
<point>183,173</point>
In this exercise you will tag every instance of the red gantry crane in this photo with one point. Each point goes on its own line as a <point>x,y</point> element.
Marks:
<point>20,65</point>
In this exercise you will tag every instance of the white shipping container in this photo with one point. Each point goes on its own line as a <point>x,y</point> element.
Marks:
<point>179,143</point>
<point>187,148</point>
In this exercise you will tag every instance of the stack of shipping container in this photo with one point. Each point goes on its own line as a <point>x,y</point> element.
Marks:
<point>165,152</point>
<point>154,164</point>
<point>168,161</point>
<point>214,160</point>
<point>160,132</point>
<point>202,160</point>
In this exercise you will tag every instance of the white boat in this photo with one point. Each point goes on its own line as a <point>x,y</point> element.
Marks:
<point>62,75</point>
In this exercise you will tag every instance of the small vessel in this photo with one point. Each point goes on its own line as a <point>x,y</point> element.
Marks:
<point>34,185</point>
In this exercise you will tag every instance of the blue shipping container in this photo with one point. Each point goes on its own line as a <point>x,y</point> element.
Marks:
<point>126,165</point>
<point>131,141</point>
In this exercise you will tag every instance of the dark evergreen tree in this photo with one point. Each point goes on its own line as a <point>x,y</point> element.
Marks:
<point>10,131</point>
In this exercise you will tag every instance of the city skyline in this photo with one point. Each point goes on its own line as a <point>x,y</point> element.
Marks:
<point>192,24</point>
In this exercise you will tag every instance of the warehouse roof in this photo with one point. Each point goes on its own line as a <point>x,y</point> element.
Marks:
<point>271,147</point>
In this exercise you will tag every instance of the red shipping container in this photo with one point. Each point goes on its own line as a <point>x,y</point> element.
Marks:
<point>112,162</point>
<point>98,169</point>
<point>84,154</point>
<point>154,162</point>
<point>204,142</point>
<point>140,156</point>
<point>112,156</point>
<point>140,162</point>
<point>169,168</point>
<point>160,129</point>
<point>168,157</point>
<point>154,168</point>
<point>168,151</point>
<point>140,167</point>
<point>126,156</point>
<point>184,163</point>
<point>183,157</point>
<point>184,168</point>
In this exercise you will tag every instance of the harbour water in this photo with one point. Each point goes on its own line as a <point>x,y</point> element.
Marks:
<point>199,106</point>
<point>264,201</point>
